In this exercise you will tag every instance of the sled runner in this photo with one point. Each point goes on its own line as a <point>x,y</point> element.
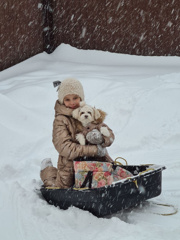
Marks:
<point>145,183</point>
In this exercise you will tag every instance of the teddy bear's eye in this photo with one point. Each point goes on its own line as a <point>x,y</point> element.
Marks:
<point>89,113</point>
<point>81,113</point>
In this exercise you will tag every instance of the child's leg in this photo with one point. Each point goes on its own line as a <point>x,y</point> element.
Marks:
<point>65,179</point>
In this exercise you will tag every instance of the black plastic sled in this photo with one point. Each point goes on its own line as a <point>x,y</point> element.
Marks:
<point>146,183</point>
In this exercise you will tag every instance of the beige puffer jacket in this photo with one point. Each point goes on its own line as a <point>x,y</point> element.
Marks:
<point>64,131</point>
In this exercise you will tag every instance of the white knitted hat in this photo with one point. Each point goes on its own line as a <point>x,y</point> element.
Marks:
<point>70,86</point>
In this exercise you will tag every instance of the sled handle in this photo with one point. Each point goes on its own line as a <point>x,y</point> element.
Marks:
<point>175,210</point>
<point>119,163</point>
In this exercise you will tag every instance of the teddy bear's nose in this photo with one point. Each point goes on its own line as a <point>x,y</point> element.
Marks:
<point>86,116</point>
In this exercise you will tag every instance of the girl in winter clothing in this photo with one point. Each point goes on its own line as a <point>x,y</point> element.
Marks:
<point>70,93</point>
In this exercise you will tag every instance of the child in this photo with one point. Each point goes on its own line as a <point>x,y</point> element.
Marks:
<point>70,94</point>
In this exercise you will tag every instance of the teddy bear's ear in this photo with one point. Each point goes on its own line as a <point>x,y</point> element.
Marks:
<point>96,114</point>
<point>75,113</point>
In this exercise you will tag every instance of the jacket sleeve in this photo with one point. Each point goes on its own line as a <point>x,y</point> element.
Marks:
<point>108,140</point>
<point>65,144</point>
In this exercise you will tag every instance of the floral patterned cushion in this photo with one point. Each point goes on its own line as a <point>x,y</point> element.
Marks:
<point>102,173</point>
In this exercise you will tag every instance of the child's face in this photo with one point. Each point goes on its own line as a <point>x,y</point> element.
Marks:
<point>72,101</point>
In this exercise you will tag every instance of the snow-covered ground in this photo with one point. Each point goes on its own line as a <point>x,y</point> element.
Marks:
<point>141,96</point>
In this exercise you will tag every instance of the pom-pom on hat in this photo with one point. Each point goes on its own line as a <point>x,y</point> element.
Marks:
<point>70,86</point>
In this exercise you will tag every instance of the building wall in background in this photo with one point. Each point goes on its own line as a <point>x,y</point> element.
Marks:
<point>139,27</point>
<point>21,28</point>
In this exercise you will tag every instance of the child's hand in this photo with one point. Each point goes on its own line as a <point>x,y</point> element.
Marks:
<point>94,137</point>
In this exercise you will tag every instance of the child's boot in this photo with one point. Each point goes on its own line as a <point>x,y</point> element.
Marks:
<point>48,173</point>
<point>46,163</point>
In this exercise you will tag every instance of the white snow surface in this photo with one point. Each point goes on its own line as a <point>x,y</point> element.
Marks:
<point>141,96</point>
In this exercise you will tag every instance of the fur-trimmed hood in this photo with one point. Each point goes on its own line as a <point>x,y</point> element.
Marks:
<point>61,109</point>
<point>101,118</point>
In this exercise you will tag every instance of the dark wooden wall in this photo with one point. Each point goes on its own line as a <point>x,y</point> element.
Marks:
<point>21,28</point>
<point>140,27</point>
